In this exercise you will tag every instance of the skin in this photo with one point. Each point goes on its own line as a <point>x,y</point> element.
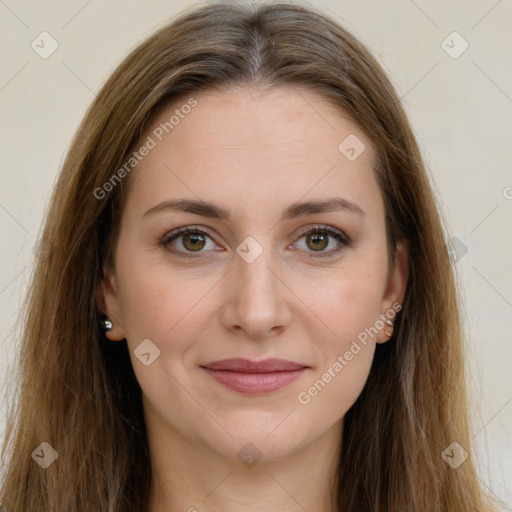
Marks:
<point>253,153</point>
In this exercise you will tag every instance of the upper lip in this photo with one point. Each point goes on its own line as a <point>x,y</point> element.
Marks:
<point>248,366</point>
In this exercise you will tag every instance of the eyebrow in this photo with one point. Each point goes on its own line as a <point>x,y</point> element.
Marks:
<point>211,210</point>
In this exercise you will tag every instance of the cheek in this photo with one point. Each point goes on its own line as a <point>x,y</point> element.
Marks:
<point>345,352</point>
<point>165,305</point>
<point>144,300</point>
<point>348,311</point>
<point>346,304</point>
<point>150,301</point>
<point>334,388</point>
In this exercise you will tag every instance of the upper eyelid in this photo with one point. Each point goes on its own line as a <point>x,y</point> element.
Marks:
<point>325,227</point>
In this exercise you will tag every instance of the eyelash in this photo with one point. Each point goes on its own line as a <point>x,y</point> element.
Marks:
<point>340,237</point>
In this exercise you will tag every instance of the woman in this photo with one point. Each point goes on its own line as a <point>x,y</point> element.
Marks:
<point>242,297</point>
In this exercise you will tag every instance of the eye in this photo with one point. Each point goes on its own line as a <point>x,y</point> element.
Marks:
<point>193,240</point>
<point>317,240</point>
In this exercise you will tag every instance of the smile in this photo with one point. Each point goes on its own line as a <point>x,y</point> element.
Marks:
<point>255,383</point>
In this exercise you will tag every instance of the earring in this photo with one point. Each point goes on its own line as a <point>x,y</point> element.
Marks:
<point>390,333</point>
<point>106,325</point>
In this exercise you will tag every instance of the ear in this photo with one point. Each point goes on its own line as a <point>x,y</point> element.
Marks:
<point>108,303</point>
<point>395,289</point>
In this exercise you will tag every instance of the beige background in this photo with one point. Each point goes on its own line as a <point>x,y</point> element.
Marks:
<point>460,108</point>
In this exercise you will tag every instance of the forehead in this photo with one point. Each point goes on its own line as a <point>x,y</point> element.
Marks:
<point>248,145</point>
<point>245,117</point>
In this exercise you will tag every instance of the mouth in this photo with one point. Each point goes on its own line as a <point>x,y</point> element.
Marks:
<point>254,377</point>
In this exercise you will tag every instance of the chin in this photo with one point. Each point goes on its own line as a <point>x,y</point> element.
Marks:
<point>260,435</point>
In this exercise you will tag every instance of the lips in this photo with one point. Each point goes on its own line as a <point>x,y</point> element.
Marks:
<point>254,377</point>
<point>247,366</point>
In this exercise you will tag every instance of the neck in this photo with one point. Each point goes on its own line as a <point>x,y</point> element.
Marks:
<point>188,476</point>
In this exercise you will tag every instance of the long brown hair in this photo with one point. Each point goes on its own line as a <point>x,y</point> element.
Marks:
<point>78,392</point>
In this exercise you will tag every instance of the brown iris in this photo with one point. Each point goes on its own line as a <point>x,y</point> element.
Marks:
<point>317,238</point>
<point>193,241</point>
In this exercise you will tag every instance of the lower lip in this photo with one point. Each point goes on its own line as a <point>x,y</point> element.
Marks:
<point>255,383</point>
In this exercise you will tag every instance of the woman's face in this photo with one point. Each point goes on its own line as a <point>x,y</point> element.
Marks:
<point>256,285</point>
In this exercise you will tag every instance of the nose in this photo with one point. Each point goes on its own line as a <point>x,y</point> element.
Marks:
<point>256,298</point>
